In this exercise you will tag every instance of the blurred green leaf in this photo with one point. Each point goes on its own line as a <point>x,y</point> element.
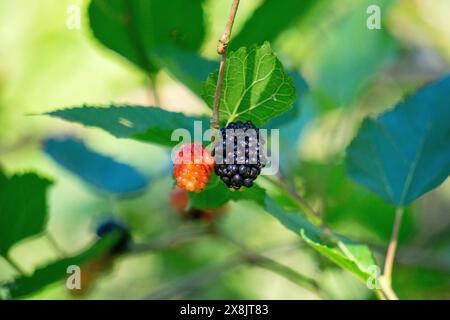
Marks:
<point>255,86</point>
<point>96,169</point>
<point>349,54</point>
<point>57,270</point>
<point>187,67</point>
<point>352,256</point>
<point>405,152</point>
<point>148,124</point>
<point>269,20</point>
<point>346,202</point>
<point>292,123</point>
<point>23,208</point>
<point>421,283</point>
<point>133,28</point>
<point>216,194</point>
<point>357,258</point>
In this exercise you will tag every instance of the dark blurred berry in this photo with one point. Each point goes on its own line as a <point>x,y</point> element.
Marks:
<point>109,226</point>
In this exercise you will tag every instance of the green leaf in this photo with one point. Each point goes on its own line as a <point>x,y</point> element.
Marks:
<point>255,86</point>
<point>133,28</point>
<point>148,124</point>
<point>23,208</point>
<point>346,202</point>
<point>187,67</point>
<point>301,88</point>
<point>352,256</point>
<point>347,54</point>
<point>98,170</point>
<point>292,124</point>
<point>358,259</point>
<point>405,152</point>
<point>57,270</point>
<point>269,20</point>
<point>216,194</point>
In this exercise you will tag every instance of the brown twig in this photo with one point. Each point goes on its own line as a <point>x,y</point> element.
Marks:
<point>222,50</point>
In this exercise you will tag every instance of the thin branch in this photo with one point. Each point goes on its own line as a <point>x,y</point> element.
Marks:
<point>302,204</point>
<point>185,235</point>
<point>15,266</point>
<point>51,240</point>
<point>222,50</point>
<point>387,289</point>
<point>201,278</point>
<point>390,255</point>
<point>194,281</point>
<point>285,272</point>
<point>291,189</point>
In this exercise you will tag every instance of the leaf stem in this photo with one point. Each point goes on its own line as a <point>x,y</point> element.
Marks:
<point>301,203</point>
<point>290,187</point>
<point>285,272</point>
<point>203,277</point>
<point>390,255</point>
<point>180,237</point>
<point>222,50</point>
<point>386,278</point>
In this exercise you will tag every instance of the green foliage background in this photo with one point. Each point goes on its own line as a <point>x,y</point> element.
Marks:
<point>351,72</point>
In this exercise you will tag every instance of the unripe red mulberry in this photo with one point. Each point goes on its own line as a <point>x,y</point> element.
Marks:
<point>193,167</point>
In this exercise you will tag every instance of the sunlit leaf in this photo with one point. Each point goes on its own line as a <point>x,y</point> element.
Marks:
<point>255,86</point>
<point>149,124</point>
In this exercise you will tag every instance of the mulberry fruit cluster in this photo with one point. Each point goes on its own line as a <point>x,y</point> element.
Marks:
<point>193,167</point>
<point>242,158</point>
